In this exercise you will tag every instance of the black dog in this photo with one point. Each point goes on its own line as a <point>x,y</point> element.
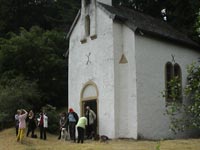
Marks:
<point>97,137</point>
<point>104,138</point>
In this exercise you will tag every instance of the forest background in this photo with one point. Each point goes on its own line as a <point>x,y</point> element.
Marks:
<point>33,43</point>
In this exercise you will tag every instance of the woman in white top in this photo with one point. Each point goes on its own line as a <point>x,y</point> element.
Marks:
<point>43,125</point>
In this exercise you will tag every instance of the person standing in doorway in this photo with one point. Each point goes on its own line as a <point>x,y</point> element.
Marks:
<point>72,119</point>
<point>91,117</point>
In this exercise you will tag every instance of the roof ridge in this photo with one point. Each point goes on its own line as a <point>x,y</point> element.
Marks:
<point>136,20</point>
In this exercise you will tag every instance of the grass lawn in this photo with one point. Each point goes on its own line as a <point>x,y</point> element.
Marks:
<point>8,142</point>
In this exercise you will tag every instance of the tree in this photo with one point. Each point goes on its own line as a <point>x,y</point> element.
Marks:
<point>17,93</point>
<point>197,25</point>
<point>38,57</point>
<point>181,14</point>
<point>48,14</point>
<point>187,114</point>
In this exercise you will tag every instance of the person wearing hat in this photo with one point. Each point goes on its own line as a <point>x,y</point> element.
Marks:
<point>72,119</point>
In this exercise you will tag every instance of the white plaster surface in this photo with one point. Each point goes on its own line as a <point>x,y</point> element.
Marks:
<point>99,69</point>
<point>125,82</point>
<point>129,101</point>
<point>151,57</point>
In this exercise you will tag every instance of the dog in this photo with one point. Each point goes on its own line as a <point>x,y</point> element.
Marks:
<point>104,138</point>
<point>64,134</point>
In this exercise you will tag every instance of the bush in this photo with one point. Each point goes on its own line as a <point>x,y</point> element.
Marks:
<point>15,94</point>
<point>190,111</point>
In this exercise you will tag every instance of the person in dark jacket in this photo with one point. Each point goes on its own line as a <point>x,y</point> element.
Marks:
<point>31,124</point>
<point>72,119</point>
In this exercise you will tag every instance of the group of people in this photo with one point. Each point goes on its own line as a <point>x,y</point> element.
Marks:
<point>68,121</point>
<point>71,121</point>
<point>22,116</point>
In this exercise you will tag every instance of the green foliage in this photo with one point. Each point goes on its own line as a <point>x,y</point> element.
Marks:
<point>158,146</point>
<point>182,20</point>
<point>33,71</point>
<point>18,93</point>
<point>37,56</point>
<point>48,14</point>
<point>197,25</point>
<point>3,120</point>
<point>175,90</point>
<point>192,91</point>
<point>185,115</point>
<point>15,94</point>
<point>147,6</point>
<point>174,107</point>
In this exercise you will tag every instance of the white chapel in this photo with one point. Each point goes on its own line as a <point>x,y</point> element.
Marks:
<point>119,62</point>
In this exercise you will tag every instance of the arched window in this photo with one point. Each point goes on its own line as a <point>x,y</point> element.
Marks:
<point>177,70</point>
<point>169,76</point>
<point>87,25</point>
<point>173,72</point>
<point>178,75</point>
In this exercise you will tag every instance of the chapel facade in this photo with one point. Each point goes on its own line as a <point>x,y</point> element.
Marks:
<point>119,62</point>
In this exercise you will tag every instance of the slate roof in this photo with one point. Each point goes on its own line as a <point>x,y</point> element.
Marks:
<point>142,23</point>
<point>148,25</point>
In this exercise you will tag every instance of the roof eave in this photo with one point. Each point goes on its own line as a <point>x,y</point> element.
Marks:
<point>168,38</point>
<point>111,15</point>
<point>74,24</point>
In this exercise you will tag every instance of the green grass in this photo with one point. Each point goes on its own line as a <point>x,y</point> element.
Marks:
<point>8,142</point>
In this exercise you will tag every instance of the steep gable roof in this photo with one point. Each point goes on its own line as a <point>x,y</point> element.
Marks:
<point>148,25</point>
<point>142,23</point>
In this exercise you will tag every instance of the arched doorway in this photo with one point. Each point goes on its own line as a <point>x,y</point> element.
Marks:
<point>89,97</point>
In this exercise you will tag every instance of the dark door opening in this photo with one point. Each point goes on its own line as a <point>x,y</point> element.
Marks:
<point>93,105</point>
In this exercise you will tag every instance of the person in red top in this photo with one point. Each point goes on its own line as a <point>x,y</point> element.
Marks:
<point>72,119</point>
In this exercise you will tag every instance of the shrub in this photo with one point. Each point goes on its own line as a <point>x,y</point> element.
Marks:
<point>17,93</point>
<point>190,110</point>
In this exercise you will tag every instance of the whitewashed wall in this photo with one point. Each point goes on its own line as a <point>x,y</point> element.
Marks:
<point>130,103</point>
<point>100,70</point>
<point>125,82</point>
<point>151,57</point>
